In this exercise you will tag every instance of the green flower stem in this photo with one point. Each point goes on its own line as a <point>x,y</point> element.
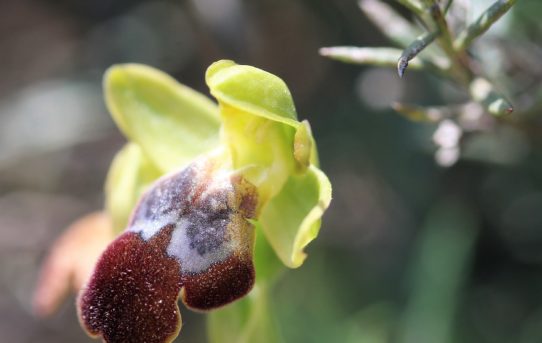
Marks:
<point>413,50</point>
<point>482,24</point>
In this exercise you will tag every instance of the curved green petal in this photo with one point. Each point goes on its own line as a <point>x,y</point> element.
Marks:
<point>129,175</point>
<point>260,124</point>
<point>276,153</point>
<point>251,90</point>
<point>263,147</point>
<point>171,122</point>
<point>291,219</point>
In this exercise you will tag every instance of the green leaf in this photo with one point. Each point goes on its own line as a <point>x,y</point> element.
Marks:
<point>250,319</point>
<point>172,123</point>
<point>291,219</point>
<point>131,172</point>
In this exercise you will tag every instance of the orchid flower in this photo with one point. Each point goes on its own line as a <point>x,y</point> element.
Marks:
<point>205,198</point>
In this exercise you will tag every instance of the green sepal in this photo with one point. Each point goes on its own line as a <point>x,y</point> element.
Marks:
<point>291,219</point>
<point>251,90</point>
<point>172,123</point>
<point>276,152</point>
<point>130,173</point>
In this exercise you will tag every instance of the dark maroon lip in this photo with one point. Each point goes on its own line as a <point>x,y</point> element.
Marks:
<point>188,237</point>
<point>132,295</point>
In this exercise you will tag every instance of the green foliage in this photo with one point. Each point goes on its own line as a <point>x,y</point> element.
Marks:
<point>436,50</point>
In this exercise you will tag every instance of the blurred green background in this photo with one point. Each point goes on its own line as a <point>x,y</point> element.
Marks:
<point>409,252</point>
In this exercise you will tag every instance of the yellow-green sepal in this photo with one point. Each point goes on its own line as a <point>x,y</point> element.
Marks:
<point>131,172</point>
<point>172,123</point>
<point>277,153</point>
<point>251,90</point>
<point>291,219</point>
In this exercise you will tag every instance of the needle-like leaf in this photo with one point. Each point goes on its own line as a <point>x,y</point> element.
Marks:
<point>394,26</point>
<point>413,50</point>
<point>483,92</point>
<point>482,24</point>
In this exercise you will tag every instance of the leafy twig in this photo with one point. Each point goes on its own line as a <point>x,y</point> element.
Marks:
<point>374,56</point>
<point>482,24</point>
<point>458,69</point>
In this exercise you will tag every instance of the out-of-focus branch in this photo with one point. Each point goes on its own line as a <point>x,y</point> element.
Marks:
<point>457,65</point>
<point>392,24</point>
<point>381,57</point>
<point>483,92</point>
<point>413,50</point>
<point>413,5</point>
<point>482,24</point>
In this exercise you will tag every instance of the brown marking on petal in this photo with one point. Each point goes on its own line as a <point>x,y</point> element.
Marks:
<point>132,295</point>
<point>246,196</point>
<point>219,285</point>
<point>233,277</point>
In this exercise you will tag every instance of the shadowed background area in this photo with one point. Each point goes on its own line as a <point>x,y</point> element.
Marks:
<point>409,251</point>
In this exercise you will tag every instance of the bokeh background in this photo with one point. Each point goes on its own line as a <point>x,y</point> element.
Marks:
<point>409,252</point>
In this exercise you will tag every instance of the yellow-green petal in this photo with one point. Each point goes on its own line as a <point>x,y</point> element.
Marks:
<point>251,90</point>
<point>129,175</point>
<point>291,219</point>
<point>275,152</point>
<point>172,123</point>
<point>260,124</point>
<point>264,148</point>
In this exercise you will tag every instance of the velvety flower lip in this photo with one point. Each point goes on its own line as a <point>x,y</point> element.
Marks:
<point>188,235</point>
